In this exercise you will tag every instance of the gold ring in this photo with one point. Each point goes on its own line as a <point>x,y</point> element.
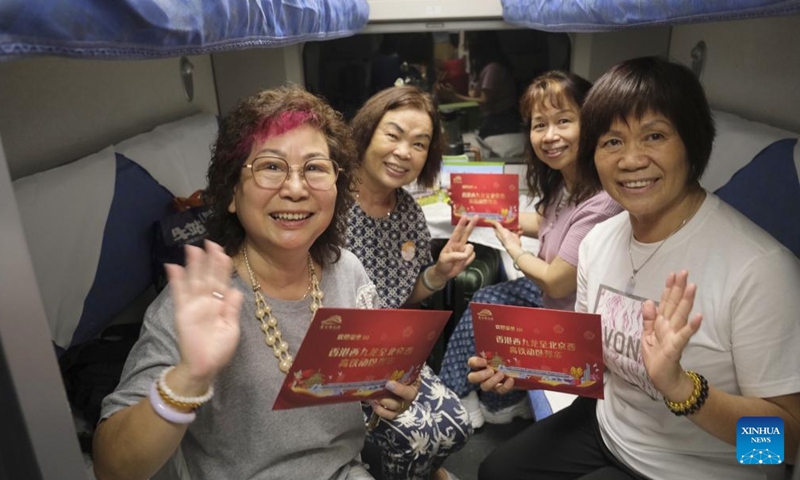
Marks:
<point>218,295</point>
<point>403,406</point>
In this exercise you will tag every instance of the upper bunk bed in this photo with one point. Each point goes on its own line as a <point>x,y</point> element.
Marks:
<point>138,29</point>
<point>607,15</point>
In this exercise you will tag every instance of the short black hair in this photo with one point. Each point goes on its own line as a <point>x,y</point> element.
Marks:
<point>642,85</point>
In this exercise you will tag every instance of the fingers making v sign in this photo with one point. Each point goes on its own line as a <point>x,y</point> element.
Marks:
<point>457,253</point>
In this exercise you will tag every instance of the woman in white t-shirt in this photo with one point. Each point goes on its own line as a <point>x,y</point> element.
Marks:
<point>676,382</point>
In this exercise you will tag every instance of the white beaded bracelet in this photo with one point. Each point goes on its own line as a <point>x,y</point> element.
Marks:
<point>165,411</point>
<point>176,400</point>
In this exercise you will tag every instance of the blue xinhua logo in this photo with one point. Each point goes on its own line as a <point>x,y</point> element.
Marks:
<point>759,440</point>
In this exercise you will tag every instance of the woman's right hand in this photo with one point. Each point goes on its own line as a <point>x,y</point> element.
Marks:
<point>206,315</point>
<point>489,379</point>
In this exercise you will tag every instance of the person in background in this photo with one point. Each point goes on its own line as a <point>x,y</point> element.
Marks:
<point>565,212</point>
<point>493,87</point>
<point>402,58</point>
<point>399,139</point>
<point>386,64</point>
<point>215,348</point>
<point>677,382</point>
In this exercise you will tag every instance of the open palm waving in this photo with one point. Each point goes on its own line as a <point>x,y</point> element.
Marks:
<point>206,310</point>
<point>667,330</point>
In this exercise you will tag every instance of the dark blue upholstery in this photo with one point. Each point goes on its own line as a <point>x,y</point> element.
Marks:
<point>125,268</point>
<point>767,191</point>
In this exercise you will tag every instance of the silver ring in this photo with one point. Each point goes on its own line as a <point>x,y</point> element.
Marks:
<point>218,295</point>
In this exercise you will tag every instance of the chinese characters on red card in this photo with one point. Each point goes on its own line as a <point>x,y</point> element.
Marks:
<point>541,348</point>
<point>492,196</point>
<point>349,354</point>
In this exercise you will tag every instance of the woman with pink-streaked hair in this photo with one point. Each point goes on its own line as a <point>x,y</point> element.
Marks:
<point>197,390</point>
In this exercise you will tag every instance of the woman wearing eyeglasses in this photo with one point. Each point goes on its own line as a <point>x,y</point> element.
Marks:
<point>399,141</point>
<point>215,349</point>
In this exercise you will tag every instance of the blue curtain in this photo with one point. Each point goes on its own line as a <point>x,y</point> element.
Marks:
<point>169,28</point>
<point>603,15</point>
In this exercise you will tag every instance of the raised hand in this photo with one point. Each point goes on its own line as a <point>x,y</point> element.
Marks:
<point>666,332</point>
<point>206,311</point>
<point>457,253</point>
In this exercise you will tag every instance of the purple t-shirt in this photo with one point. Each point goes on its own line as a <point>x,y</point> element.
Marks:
<point>562,230</point>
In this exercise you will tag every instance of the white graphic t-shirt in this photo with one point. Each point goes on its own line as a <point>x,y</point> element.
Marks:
<point>747,292</point>
<point>622,337</point>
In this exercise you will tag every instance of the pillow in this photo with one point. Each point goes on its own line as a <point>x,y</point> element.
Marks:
<point>176,154</point>
<point>124,270</point>
<point>738,141</point>
<point>63,212</point>
<point>767,191</point>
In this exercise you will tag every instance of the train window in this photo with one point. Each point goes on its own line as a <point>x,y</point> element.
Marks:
<point>347,71</point>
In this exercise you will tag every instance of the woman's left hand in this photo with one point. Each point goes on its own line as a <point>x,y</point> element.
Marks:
<point>509,239</point>
<point>667,330</point>
<point>390,407</point>
<point>457,253</point>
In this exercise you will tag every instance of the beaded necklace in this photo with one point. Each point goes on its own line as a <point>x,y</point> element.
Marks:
<point>269,324</point>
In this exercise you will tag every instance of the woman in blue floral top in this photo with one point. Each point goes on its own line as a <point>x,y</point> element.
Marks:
<point>399,139</point>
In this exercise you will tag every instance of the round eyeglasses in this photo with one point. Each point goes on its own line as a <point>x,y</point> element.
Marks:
<point>272,172</point>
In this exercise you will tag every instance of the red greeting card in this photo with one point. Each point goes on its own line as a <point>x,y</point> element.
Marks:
<point>541,348</point>
<point>492,196</point>
<point>349,354</point>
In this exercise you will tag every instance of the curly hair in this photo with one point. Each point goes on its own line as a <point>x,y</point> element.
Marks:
<point>370,114</point>
<point>261,116</point>
<point>556,88</point>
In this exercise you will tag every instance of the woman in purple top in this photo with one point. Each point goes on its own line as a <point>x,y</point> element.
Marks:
<point>565,213</point>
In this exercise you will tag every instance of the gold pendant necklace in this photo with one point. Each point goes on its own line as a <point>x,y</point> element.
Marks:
<point>269,324</point>
<point>632,280</point>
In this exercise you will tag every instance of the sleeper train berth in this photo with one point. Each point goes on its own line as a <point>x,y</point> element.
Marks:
<point>79,236</point>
